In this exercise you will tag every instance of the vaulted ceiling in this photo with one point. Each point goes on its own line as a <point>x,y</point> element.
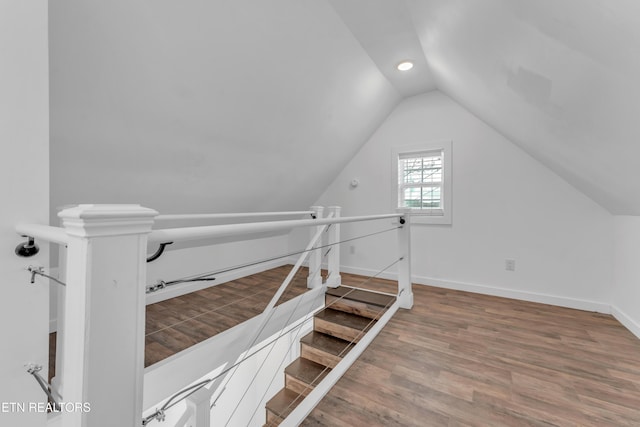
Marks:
<point>209,106</point>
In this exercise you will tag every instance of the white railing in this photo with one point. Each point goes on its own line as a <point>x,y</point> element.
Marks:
<point>185,234</point>
<point>105,273</point>
<point>219,216</point>
<point>44,232</point>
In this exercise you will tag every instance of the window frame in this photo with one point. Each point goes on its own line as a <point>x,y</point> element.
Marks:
<point>420,215</point>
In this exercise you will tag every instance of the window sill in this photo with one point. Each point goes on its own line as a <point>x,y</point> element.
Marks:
<point>418,218</point>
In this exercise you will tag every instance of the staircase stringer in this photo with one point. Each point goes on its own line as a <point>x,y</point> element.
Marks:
<point>322,388</point>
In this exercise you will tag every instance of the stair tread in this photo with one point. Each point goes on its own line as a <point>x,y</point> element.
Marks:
<point>361,296</point>
<point>307,371</point>
<point>343,318</point>
<point>281,404</point>
<point>327,343</point>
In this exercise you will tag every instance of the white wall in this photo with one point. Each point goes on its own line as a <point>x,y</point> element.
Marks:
<point>505,205</point>
<point>626,297</point>
<point>206,106</point>
<point>24,188</point>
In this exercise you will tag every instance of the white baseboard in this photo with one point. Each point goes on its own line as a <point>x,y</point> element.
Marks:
<point>626,320</point>
<point>186,288</point>
<point>560,301</point>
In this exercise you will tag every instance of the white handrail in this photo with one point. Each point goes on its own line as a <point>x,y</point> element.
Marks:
<point>44,232</point>
<point>172,217</point>
<point>211,231</point>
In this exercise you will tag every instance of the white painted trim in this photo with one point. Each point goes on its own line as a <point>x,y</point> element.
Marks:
<point>53,325</point>
<point>419,217</point>
<point>575,303</point>
<point>315,396</point>
<point>230,215</point>
<point>626,320</point>
<point>560,301</point>
<point>44,232</point>
<point>186,288</point>
<point>213,231</point>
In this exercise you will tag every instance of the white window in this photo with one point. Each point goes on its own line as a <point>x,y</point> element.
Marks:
<point>422,176</point>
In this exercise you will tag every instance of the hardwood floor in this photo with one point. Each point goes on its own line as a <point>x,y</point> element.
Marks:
<point>455,359</point>
<point>178,323</point>
<point>462,359</point>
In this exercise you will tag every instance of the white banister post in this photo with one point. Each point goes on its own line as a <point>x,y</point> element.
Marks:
<point>333,278</point>
<point>56,382</point>
<point>404,265</point>
<point>199,403</point>
<point>315,257</point>
<point>103,342</point>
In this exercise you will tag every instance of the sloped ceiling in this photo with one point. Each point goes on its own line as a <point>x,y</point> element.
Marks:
<point>198,106</point>
<point>201,106</point>
<point>560,78</point>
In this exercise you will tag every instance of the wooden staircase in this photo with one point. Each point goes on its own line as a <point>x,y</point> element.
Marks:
<point>347,315</point>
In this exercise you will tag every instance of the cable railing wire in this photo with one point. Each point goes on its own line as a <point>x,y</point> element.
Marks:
<point>170,403</point>
<point>345,349</point>
<point>206,275</point>
<point>39,271</point>
<point>271,305</point>
<point>268,354</point>
<point>259,292</point>
<point>44,385</point>
<point>295,341</point>
<point>159,414</point>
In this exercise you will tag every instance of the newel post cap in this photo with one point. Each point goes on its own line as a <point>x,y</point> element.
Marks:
<point>92,220</point>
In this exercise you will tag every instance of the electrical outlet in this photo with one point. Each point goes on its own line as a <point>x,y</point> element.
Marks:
<point>510,264</point>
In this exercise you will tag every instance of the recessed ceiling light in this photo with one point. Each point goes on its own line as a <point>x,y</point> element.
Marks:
<point>405,66</point>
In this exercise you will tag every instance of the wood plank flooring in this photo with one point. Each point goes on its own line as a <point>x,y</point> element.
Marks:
<point>178,323</point>
<point>455,359</point>
<point>462,359</point>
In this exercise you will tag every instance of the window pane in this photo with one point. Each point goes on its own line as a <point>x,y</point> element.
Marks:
<point>432,169</point>
<point>431,197</point>
<point>411,171</point>
<point>420,180</point>
<point>413,197</point>
<point>419,170</point>
<point>422,197</point>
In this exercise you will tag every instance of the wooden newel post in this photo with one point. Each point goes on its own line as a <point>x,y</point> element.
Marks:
<point>103,343</point>
<point>315,257</point>
<point>334,279</point>
<point>404,265</point>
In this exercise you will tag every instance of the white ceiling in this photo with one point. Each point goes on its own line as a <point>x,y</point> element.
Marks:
<point>385,31</point>
<point>193,90</point>
<point>560,78</point>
